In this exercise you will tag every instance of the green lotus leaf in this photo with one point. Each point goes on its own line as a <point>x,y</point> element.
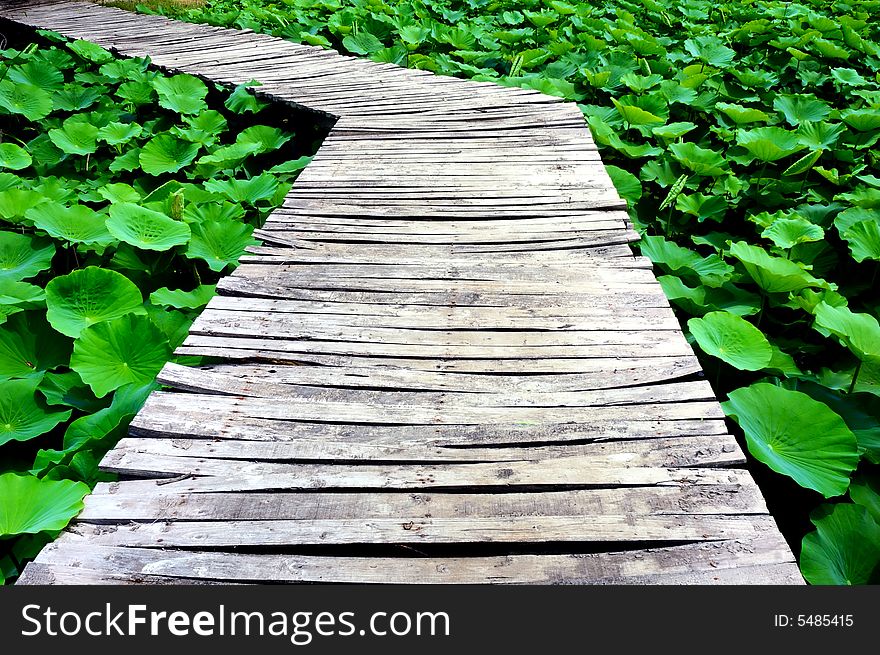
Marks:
<point>39,74</point>
<point>13,157</point>
<point>796,436</point>
<point>864,240</point>
<point>702,299</point>
<point>165,154</point>
<point>25,99</point>
<point>819,136</point>
<point>266,138</point>
<point>635,115</point>
<point>115,134</point>
<point>711,271</point>
<point>181,299</point>
<point>23,294</point>
<point>88,296</point>
<point>184,94</point>
<point>242,101</point>
<point>138,93</point>
<point>127,161</point>
<point>98,431</point>
<point>769,143</point>
<point>849,217</point>
<point>627,185</point>
<point>32,505</point>
<point>362,43</point>
<point>23,256</point>
<point>292,166</point>
<point>773,274</point>
<point>29,346</point>
<point>848,76</point>
<point>77,224</point>
<point>711,50</point>
<point>260,187</point>
<point>799,109</point>
<point>22,416</point>
<point>701,161</point>
<point>858,332</point>
<point>75,137</point>
<point>732,339</point>
<point>69,390</point>
<point>673,130</point>
<point>213,211</point>
<point>863,120</point>
<point>145,228</point>
<point>125,350</point>
<point>788,232</point>
<point>230,156</point>
<point>220,243</point>
<point>75,97</point>
<point>703,207</point>
<point>741,115</point>
<point>119,192</point>
<point>14,203</point>
<point>90,51</point>
<point>172,323</point>
<point>845,547</point>
<point>865,491</point>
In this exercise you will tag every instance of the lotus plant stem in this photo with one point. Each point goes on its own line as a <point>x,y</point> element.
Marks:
<point>855,377</point>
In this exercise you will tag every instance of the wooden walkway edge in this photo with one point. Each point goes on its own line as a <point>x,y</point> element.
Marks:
<point>443,365</point>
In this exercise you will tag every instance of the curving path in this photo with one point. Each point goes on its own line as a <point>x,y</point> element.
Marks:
<point>444,365</point>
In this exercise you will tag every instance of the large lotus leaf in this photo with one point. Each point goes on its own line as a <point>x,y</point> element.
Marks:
<point>119,192</point>
<point>129,349</point>
<point>88,296</point>
<point>710,49</point>
<point>39,74</point>
<point>844,549</point>
<point>22,416</point>
<point>184,94</point>
<point>796,436</point>
<point>75,137</point>
<point>864,240</point>
<point>701,161</point>
<point>229,156</point>
<point>180,299</point>
<point>117,133</point>
<point>31,505</point>
<point>173,323</point>
<point>819,136</point>
<point>25,294</point>
<point>77,224</point>
<point>627,185</point>
<point>703,207</point>
<point>98,431</point>
<point>29,346</point>
<point>145,228</point>
<point>242,101</point>
<point>266,138</point>
<point>137,93</point>
<point>220,243</point>
<point>741,115</point>
<point>788,232</point>
<point>362,43</point>
<point>69,390</point>
<point>799,109</point>
<point>14,157</point>
<point>732,339</point>
<point>14,203</point>
<point>865,491</point>
<point>166,154</point>
<point>90,51</point>
<point>859,332</point>
<point>773,274</point>
<point>702,299</point>
<point>849,217</point>
<point>635,115</point>
<point>23,256</point>
<point>769,143</point>
<point>711,271</point>
<point>295,165</point>
<point>863,120</point>
<point>25,99</point>
<point>75,97</point>
<point>260,187</point>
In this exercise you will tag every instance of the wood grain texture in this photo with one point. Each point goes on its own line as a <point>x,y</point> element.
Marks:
<point>444,363</point>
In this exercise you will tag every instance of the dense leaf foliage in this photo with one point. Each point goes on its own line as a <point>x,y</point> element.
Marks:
<point>744,136</point>
<point>121,205</point>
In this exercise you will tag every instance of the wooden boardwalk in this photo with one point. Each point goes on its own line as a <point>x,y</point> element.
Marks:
<point>444,365</point>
